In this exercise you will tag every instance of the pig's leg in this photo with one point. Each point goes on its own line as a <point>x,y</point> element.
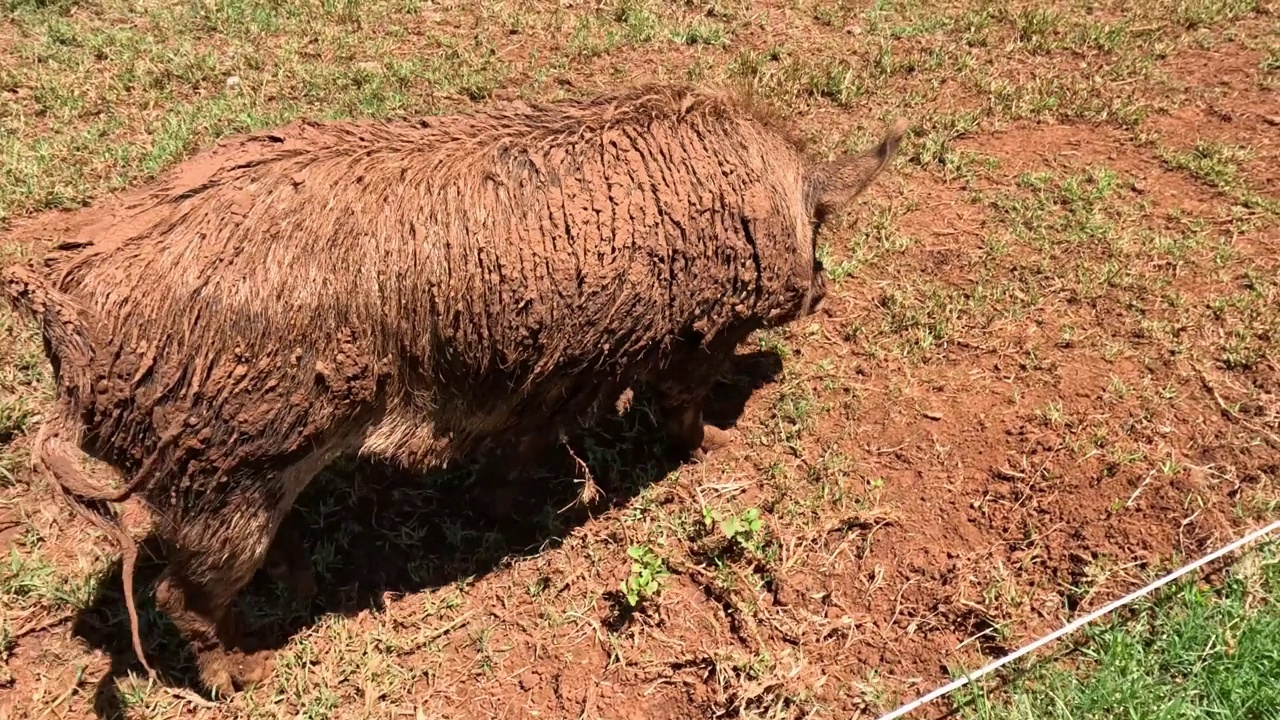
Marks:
<point>220,539</point>
<point>685,427</point>
<point>211,559</point>
<point>682,397</point>
<point>497,483</point>
<point>288,561</point>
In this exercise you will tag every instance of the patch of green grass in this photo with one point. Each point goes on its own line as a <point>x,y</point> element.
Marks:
<point>1197,14</point>
<point>1198,653</point>
<point>593,36</point>
<point>1037,28</point>
<point>1246,321</point>
<point>1214,164</point>
<point>873,240</point>
<point>795,409</point>
<point>836,80</point>
<point>1271,63</point>
<point>1103,37</point>
<point>1083,220</point>
<point>88,85</point>
<point>923,318</point>
<point>15,414</point>
<point>28,581</point>
<point>939,134</point>
<point>701,33</point>
<point>641,22</point>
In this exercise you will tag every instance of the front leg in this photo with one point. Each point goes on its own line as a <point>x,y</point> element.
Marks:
<point>288,561</point>
<point>688,431</point>
<point>497,482</point>
<point>683,390</point>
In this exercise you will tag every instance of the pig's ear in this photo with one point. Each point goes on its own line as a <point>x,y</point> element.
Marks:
<point>838,182</point>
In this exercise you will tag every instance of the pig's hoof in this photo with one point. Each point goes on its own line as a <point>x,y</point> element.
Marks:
<point>215,673</point>
<point>252,669</point>
<point>713,439</point>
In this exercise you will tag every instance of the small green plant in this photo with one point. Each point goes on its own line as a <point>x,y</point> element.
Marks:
<point>638,19</point>
<point>647,573</point>
<point>1271,63</point>
<point>744,531</point>
<point>1052,415</point>
<point>836,80</point>
<point>743,528</point>
<point>1036,28</point>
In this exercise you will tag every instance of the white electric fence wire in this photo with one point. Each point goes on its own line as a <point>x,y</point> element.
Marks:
<point>961,682</point>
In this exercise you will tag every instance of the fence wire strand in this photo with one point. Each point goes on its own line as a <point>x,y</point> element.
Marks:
<point>1080,622</point>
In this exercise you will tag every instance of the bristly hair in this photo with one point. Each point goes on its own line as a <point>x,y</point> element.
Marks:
<point>633,102</point>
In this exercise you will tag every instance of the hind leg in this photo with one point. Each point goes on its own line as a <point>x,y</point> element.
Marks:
<point>211,560</point>
<point>220,541</point>
<point>690,433</point>
<point>685,426</point>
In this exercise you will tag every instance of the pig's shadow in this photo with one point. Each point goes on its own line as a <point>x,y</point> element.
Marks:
<point>373,529</point>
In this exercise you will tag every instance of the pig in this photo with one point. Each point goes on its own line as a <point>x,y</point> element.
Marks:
<point>415,291</point>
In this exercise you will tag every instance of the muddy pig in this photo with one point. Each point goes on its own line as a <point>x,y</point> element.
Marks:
<point>408,290</point>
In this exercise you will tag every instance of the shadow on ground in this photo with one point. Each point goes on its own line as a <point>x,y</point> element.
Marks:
<point>373,529</point>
